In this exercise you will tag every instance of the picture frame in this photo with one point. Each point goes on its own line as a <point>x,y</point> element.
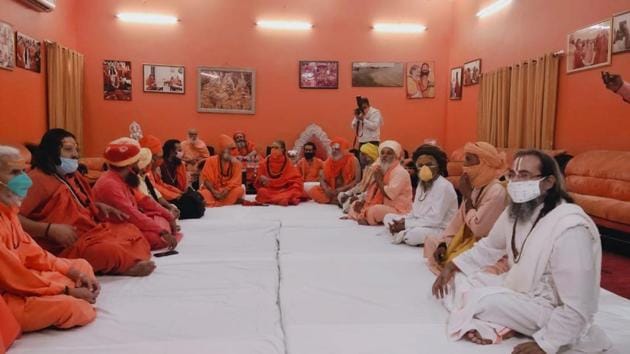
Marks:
<point>455,86</point>
<point>377,74</point>
<point>28,52</point>
<point>319,74</point>
<point>159,78</point>
<point>420,78</point>
<point>472,72</point>
<point>226,90</point>
<point>117,84</point>
<point>589,47</point>
<point>7,46</point>
<point>621,33</point>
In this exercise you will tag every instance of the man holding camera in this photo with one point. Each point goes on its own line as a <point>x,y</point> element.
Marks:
<point>367,123</point>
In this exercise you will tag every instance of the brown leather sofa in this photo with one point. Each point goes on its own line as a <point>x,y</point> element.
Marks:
<point>600,183</point>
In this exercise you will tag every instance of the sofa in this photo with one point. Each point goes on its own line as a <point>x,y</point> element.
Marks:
<point>599,181</point>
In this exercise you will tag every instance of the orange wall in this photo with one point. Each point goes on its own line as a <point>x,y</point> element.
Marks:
<point>589,117</point>
<point>222,33</point>
<point>23,92</point>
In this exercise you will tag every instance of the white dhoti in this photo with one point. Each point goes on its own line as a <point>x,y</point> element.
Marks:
<point>413,236</point>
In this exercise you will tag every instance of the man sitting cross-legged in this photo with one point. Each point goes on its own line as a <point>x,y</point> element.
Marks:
<point>221,180</point>
<point>341,173</point>
<point>39,289</point>
<point>551,291</point>
<point>435,202</point>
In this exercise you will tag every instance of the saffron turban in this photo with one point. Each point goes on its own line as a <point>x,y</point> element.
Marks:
<point>343,143</point>
<point>152,143</point>
<point>225,142</point>
<point>370,150</point>
<point>487,153</point>
<point>122,154</point>
<point>145,158</point>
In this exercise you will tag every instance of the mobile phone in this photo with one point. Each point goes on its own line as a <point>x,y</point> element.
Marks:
<point>166,253</point>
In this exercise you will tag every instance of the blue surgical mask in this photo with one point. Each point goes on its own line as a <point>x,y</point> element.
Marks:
<point>19,185</point>
<point>68,166</point>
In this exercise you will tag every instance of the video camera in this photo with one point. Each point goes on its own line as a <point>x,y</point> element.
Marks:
<point>359,110</point>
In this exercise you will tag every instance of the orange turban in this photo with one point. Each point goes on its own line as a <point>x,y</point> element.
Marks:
<point>152,143</point>
<point>122,154</point>
<point>343,143</point>
<point>225,142</point>
<point>491,163</point>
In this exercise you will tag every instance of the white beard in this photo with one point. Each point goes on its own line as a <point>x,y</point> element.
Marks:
<point>385,166</point>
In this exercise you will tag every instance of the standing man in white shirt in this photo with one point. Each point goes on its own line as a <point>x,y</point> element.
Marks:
<point>367,123</point>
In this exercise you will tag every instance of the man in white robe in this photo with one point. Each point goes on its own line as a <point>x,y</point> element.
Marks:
<point>435,202</point>
<point>551,291</point>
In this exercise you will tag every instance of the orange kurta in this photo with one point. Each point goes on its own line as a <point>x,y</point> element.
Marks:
<point>31,280</point>
<point>285,186</point>
<point>179,179</point>
<point>110,248</point>
<point>195,151</point>
<point>10,328</point>
<point>167,191</point>
<point>223,176</point>
<point>310,169</point>
<point>337,174</point>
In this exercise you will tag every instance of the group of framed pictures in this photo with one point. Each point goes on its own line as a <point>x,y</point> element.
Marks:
<point>593,46</point>
<point>420,76</point>
<point>467,75</point>
<point>19,49</point>
<point>220,90</point>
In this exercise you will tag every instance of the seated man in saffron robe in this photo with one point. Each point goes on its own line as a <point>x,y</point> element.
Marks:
<point>246,153</point>
<point>39,289</point>
<point>310,165</point>
<point>390,190</point>
<point>435,202</point>
<point>484,198</point>
<point>551,291</point>
<point>173,168</point>
<point>368,154</point>
<point>147,187</point>
<point>195,151</point>
<point>221,179</point>
<point>117,187</point>
<point>341,172</point>
<point>279,181</point>
<point>169,192</point>
<point>60,211</point>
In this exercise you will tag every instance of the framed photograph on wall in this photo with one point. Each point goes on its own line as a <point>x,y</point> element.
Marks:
<point>316,74</point>
<point>117,80</point>
<point>421,79</point>
<point>455,88</point>
<point>377,74</point>
<point>163,78</point>
<point>472,72</point>
<point>28,52</point>
<point>7,46</point>
<point>621,33</point>
<point>226,90</point>
<point>589,47</point>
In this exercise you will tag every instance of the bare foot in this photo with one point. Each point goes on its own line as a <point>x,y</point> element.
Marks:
<point>140,269</point>
<point>363,222</point>
<point>475,337</point>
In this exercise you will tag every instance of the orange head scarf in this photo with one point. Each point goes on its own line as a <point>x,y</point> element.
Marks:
<point>152,143</point>
<point>225,142</point>
<point>491,163</point>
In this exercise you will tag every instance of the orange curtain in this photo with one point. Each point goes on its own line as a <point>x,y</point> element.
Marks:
<point>65,89</point>
<point>517,105</point>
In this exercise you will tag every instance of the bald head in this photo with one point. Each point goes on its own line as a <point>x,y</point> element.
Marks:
<point>12,164</point>
<point>10,159</point>
<point>193,134</point>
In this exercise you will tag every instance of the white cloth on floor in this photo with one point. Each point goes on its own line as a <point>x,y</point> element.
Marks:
<point>559,268</point>
<point>432,211</point>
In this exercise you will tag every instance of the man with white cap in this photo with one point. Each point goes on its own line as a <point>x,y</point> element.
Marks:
<point>116,188</point>
<point>390,191</point>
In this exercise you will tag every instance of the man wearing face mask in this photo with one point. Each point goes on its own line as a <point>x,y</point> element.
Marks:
<point>146,186</point>
<point>310,166</point>
<point>551,292</point>
<point>341,173</point>
<point>173,169</point>
<point>39,289</point>
<point>61,213</point>
<point>116,187</point>
<point>483,200</point>
<point>279,181</point>
<point>221,178</point>
<point>390,189</point>
<point>435,202</point>
<point>368,154</point>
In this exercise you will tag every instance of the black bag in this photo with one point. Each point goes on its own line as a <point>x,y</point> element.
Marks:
<point>191,205</point>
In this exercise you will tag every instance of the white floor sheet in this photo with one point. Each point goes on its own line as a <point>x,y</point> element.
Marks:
<point>342,288</point>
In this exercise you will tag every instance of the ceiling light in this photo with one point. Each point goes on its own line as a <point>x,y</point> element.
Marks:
<point>494,7</point>
<point>142,17</point>
<point>399,27</point>
<point>285,25</point>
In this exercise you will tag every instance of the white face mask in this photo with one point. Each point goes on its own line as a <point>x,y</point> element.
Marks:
<point>524,191</point>
<point>179,154</point>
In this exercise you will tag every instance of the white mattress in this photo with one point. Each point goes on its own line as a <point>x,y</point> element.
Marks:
<point>280,280</point>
